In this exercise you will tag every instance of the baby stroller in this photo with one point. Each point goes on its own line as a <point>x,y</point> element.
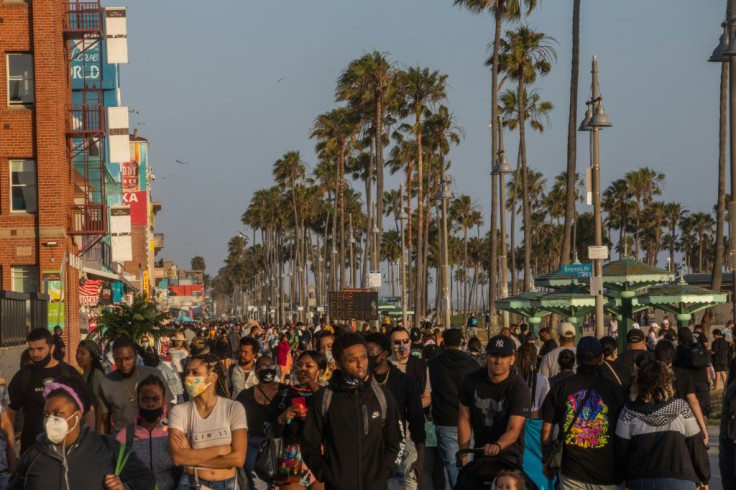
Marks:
<point>480,473</point>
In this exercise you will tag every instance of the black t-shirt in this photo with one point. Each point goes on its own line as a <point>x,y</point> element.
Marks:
<point>683,383</point>
<point>547,347</point>
<point>627,358</point>
<point>491,404</point>
<point>26,392</point>
<point>258,414</point>
<point>588,454</point>
<point>618,373</point>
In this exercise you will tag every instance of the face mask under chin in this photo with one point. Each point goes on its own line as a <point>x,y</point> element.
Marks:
<point>43,362</point>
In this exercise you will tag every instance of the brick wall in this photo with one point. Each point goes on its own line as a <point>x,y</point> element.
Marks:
<point>38,133</point>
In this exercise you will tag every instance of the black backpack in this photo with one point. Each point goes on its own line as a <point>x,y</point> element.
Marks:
<point>697,355</point>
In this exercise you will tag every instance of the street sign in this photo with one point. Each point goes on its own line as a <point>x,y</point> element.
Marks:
<point>374,280</point>
<point>595,252</point>
<point>354,304</point>
<point>596,286</point>
<point>580,270</point>
<point>391,299</point>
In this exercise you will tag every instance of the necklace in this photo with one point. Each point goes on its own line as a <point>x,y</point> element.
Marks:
<point>135,386</point>
<point>385,380</point>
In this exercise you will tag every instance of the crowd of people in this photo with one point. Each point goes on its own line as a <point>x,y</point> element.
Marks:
<point>204,406</point>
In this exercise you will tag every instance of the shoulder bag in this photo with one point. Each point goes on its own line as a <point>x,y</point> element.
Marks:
<point>554,458</point>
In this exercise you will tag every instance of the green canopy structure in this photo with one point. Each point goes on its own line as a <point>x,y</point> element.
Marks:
<point>557,279</point>
<point>571,302</point>
<point>525,305</point>
<point>681,299</point>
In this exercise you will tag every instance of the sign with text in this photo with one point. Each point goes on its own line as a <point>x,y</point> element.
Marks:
<point>596,286</point>
<point>595,252</point>
<point>138,202</point>
<point>580,270</point>
<point>354,304</point>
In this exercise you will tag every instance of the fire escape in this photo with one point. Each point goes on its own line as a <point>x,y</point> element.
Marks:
<point>85,126</point>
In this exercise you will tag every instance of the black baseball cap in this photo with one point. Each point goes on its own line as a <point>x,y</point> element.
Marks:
<point>635,336</point>
<point>499,345</point>
<point>589,347</point>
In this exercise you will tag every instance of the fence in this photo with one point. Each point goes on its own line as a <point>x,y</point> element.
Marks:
<point>19,313</point>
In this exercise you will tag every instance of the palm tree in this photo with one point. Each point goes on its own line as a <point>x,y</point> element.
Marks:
<point>673,216</point>
<point>335,129</point>
<point>465,215</point>
<point>524,55</point>
<point>721,190</point>
<point>643,184</point>
<point>702,226</point>
<point>365,84</point>
<point>570,212</point>
<point>421,90</point>
<point>501,10</point>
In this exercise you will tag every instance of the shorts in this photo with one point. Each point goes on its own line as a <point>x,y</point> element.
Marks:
<point>292,467</point>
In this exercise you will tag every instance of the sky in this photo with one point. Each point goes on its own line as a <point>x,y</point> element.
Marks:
<point>231,85</point>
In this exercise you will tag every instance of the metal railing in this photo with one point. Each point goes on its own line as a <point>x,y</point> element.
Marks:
<point>88,219</point>
<point>86,119</point>
<point>83,17</point>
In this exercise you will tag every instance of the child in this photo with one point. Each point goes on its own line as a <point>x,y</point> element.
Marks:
<point>510,480</point>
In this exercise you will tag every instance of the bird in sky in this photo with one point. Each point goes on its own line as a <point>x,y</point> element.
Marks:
<point>133,111</point>
<point>280,79</point>
<point>181,162</point>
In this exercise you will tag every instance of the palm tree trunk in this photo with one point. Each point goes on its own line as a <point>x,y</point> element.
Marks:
<point>567,244</point>
<point>525,188</point>
<point>721,193</point>
<point>512,238</point>
<point>369,210</point>
<point>419,307</point>
<point>409,233</point>
<point>498,18</point>
<point>341,164</point>
<point>379,173</point>
<point>465,273</point>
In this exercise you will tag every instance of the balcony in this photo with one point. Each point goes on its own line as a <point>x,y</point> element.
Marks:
<point>86,120</point>
<point>83,19</point>
<point>88,219</point>
<point>158,242</point>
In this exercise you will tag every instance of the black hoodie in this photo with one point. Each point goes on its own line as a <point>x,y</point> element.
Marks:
<point>361,451</point>
<point>446,373</point>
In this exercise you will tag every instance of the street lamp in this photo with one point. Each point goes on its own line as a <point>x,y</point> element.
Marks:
<point>502,167</point>
<point>403,218</point>
<point>595,120</point>
<point>724,53</point>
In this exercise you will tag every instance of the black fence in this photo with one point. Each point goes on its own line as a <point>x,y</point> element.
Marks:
<point>19,313</point>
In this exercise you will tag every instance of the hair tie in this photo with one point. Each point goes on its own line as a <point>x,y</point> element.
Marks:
<point>68,389</point>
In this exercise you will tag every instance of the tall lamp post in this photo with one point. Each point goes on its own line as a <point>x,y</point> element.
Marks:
<point>725,53</point>
<point>595,120</point>
<point>446,195</point>
<point>502,167</point>
<point>403,218</point>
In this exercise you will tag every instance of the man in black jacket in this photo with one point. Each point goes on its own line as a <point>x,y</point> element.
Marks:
<point>446,373</point>
<point>357,421</point>
<point>406,393</point>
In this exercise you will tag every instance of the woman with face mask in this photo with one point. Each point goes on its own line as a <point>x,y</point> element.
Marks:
<point>263,403</point>
<point>310,370</point>
<point>207,434</point>
<point>70,455</point>
<point>148,437</point>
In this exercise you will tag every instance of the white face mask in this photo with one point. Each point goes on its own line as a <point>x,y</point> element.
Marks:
<point>57,428</point>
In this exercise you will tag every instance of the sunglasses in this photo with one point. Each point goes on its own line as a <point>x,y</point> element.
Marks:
<point>401,341</point>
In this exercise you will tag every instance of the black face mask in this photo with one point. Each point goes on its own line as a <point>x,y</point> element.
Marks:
<point>43,362</point>
<point>373,363</point>
<point>151,415</point>
<point>266,374</point>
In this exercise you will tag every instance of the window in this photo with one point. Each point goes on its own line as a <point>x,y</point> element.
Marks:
<point>25,278</point>
<point>23,186</point>
<point>20,79</point>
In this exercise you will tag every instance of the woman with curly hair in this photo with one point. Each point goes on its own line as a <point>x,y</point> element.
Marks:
<point>658,442</point>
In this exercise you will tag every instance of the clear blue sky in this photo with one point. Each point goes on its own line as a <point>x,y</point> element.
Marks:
<point>203,76</point>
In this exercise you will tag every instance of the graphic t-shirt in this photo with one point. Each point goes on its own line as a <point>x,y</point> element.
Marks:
<point>117,291</point>
<point>491,404</point>
<point>26,392</point>
<point>588,454</point>
<point>214,430</point>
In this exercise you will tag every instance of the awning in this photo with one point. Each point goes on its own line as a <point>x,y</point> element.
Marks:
<point>108,275</point>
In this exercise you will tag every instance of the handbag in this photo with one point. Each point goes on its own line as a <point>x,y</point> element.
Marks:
<point>554,457</point>
<point>267,460</point>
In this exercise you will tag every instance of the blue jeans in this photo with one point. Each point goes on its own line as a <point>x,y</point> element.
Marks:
<point>660,484</point>
<point>188,482</point>
<point>447,446</point>
<point>4,480</point>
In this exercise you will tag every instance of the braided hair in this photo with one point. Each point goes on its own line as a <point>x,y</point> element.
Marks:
<point>214,365</point>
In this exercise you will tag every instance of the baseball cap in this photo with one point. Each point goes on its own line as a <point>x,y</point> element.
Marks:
<point>635,336</point>
<point>654,325</point>
<point>566,329</point>
<point>589,348</point>
<point>665,322</point>
<point>499,345</point>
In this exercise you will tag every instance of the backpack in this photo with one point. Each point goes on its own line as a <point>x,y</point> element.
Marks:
<point>697,355</point>
<point>473,321</point>
<point>327,400</point>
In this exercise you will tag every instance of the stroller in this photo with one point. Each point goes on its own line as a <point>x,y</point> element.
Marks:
<point>480,473</point>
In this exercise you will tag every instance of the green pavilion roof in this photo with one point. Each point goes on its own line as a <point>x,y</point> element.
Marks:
<point>631,274</point>
<point>556,279</point>
<point>681,293</point>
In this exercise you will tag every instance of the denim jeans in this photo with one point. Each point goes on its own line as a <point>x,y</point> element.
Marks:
<point>447,446</point>
<point>661,484</point>
<point>4,480</point>
<point>254,483</point>
<point>405,479</point>
<point>188,482</point>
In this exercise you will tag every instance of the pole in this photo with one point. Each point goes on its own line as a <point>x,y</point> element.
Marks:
<point>598,226</point>
<point>352,254</point>
<point>402,218</point>
<point>503,261</point>
<point>446,304</point>
<point>732,148</point>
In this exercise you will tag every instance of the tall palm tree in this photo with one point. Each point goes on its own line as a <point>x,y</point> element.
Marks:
<point>525,54</point>
<point>673,216</point>
<point>702,225</point>
<point>643,184</point>
<point>335,129</point>
<point>570,214</point>
<point>465,215</point>
<point>500,10</point>
<point>365,84</point>
<point>421,90</point>
<point>717,274</point>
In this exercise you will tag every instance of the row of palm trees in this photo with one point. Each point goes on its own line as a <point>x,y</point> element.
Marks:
<point>395,118</point>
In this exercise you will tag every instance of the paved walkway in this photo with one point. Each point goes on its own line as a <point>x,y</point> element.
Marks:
<point>715,478</point>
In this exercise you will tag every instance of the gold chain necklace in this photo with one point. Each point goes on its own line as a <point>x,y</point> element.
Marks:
<point>385,381</point>
<point>135,387</point>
